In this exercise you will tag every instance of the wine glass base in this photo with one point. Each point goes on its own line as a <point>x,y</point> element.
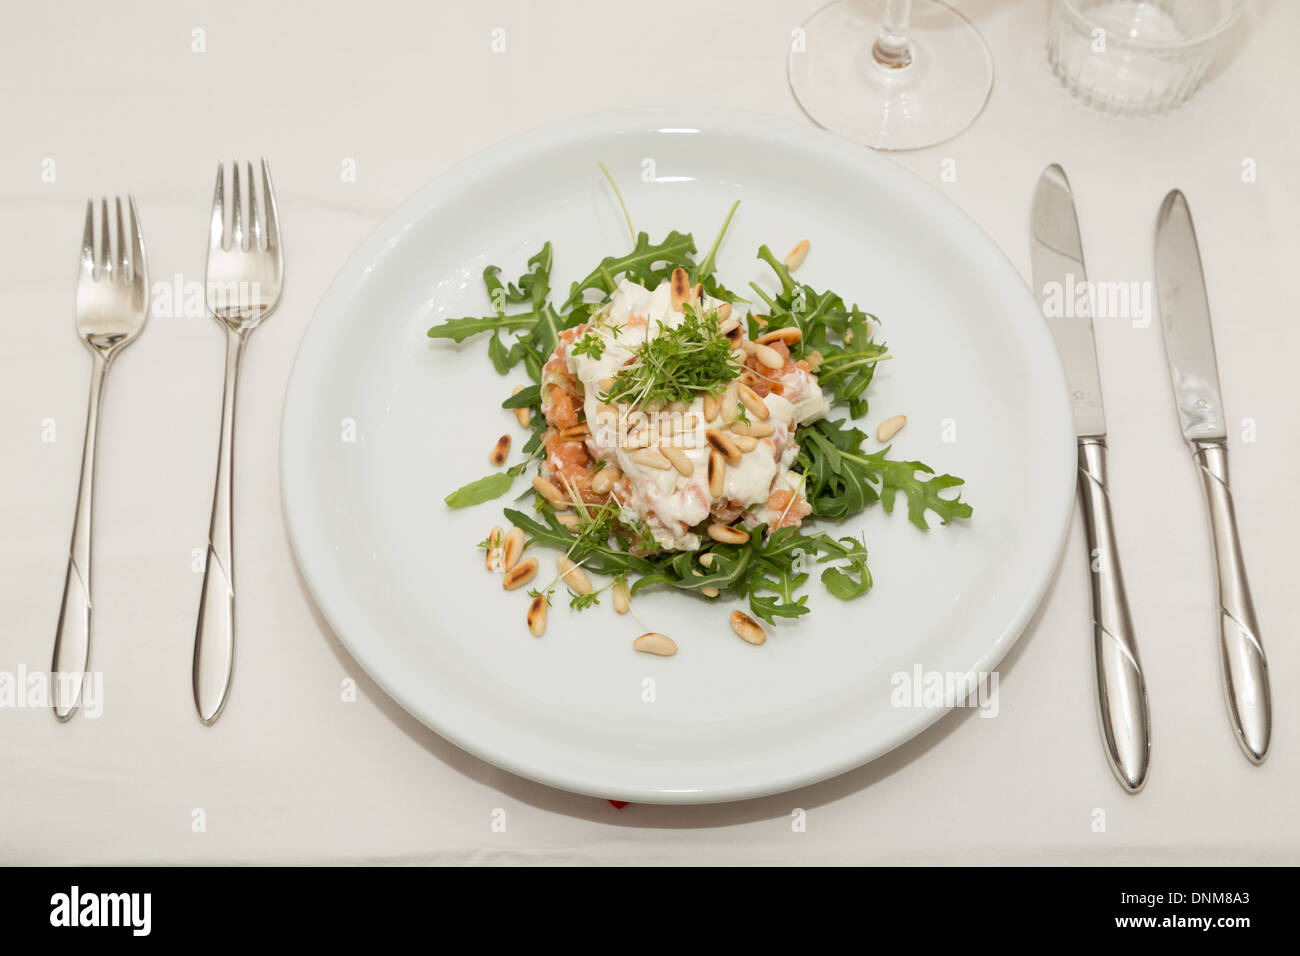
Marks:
<point>842,87</point>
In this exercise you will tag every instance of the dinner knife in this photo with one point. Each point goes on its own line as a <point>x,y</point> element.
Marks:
<point>1189,347</point>
<point>1057,257</point>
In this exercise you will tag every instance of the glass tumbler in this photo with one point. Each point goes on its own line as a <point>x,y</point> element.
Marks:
<point>1136,56</point>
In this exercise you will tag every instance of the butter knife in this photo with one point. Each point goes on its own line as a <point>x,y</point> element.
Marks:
<point>1057,257</point>
<point>1189,346</point>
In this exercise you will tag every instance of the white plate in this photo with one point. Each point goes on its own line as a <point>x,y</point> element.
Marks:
<point>399,577</point>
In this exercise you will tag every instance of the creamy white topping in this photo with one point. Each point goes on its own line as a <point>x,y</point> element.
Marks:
<point>670,503</point>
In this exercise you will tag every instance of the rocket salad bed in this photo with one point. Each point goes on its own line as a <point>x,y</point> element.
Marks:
<point>682,435</point>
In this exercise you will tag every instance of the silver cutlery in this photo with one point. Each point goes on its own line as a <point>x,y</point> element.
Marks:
<point>112,306</point>
<point>1189,347</point>
<point>1057,255</point>
<point>244,276</point>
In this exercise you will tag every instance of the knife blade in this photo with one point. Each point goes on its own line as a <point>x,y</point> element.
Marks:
<point>1194,373</point>
<point>1056,253</point>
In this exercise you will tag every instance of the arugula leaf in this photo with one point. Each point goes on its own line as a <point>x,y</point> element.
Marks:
<point>458,330</point>
<point>486,488</point>
<point>842,479</point>
<point>704,268</point>
<point>638,265</point>
<point>527,396</point>
<point>922,493</point>
<point>851,580</point>
<point>837,334</point>
<point>497,353</point>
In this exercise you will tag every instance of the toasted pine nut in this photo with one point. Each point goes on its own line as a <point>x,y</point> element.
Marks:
<point>727,534</point>
<point>678,459</point>
<point>697,295</point>
<point>728,405</point>
<point>889,427</point>
<point>768,356</point>
<point>756,406</point>
<point>815,359</point>
<point>753,429</point>
<point>761,321</point>
<point>652,643</point>
<point>575,432</point>
<point>520,574</point>
<point>724,443</point>
<point>848,337</point>
<point>717,472</point>
<point>748,628</point>
<point>500,450</point>
<point>707,559</point>
<point>709,591</point>
<point>745,442</point>
<point>681,289</point>
<point>604,479</point>
<point>710,406</point>
<point>795,257</point>
<point>537,615</point>
<point>522,415</point>
<point>573,575</point>
<point>726,325</point>
<point>789,336</point>
<point>570,521</point>
<point>638,439</point>
<point>651,458</point>
<point>551,493</point>
<point>724,312</point>
<point>512,549</point>
<point>495,560</point>
<point>622,600</point>
<point>735,335</point>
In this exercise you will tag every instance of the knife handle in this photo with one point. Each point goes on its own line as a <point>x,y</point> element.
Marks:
<point>1245,669</point>
<point>1121,687</point>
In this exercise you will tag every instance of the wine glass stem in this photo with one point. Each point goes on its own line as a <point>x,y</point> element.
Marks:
<point>891,48</point>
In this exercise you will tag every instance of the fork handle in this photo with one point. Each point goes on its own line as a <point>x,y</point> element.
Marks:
<point>1245,669</point>
<point>72,637</point>
<point>214,638</point>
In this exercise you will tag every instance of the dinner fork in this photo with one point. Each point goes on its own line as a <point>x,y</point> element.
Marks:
<point>244,275</point>
<point>112,305</point>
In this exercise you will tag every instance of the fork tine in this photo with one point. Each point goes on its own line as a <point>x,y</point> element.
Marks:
<point>123,260</point>
<point>106,248</point>
<point>236,206</point>
<point>254,218</point>
<point>88,242</point>
<point>217,235</point>
<point>272,211</point>
<point>139,266</point>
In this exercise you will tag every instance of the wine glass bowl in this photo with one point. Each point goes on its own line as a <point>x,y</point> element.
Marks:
<point>893,74</point>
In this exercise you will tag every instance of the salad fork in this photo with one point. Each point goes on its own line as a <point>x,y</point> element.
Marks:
<point>112,306</point>
<point>244,274</point>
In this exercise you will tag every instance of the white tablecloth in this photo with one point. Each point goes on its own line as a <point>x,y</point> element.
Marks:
<point>103,98</point>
